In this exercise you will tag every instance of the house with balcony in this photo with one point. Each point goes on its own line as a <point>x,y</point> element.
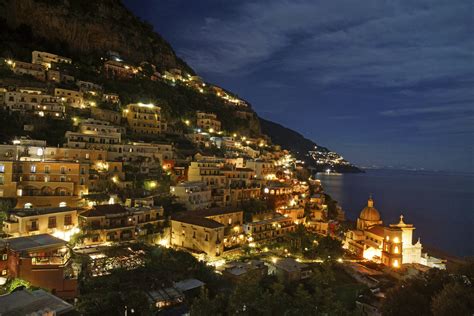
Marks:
<point>60,222</point>
<point>116,223</point>
<point>195,195</point>
<point>210,231</point>
<point>44,183</point>
<point>44,261</point>
<point>269,225</point>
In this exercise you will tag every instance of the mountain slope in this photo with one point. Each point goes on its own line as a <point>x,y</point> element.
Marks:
<point>318,157</point>
<point>78,27</point>
<point>87,30</point>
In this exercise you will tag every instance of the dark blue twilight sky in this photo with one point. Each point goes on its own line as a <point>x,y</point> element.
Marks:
<point>381,81</point>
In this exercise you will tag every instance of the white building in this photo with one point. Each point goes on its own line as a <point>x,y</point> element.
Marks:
<point>194,195</point>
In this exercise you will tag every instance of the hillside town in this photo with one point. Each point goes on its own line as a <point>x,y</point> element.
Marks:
<point>126,188</point>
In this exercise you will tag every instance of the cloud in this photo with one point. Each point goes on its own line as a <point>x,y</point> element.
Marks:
<point>376,43</point>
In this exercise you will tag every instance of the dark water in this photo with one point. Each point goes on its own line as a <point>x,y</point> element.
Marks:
<point>440,205</point>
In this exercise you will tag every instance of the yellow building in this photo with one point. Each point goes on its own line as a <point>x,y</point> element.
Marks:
<point>44,183</point>
<point>144,119</point>
<point>209,231</point>
<point>70,97</point>
<point>267,226</point>
<point>60,222</point>
<point>208,172</point>
<point>47,60</point>
<point>208,122</point>
<point>23,68</point>
<point>115,223</point>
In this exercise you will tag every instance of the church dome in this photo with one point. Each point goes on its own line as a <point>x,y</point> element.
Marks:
<point>370,213</point>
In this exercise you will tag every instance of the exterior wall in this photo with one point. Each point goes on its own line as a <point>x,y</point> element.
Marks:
<point>208,122</point>
<point>269,227</point>
<point>47,59</point>
<point>119,227</point>
<point>22,68</point>
<point>49,276</point>
<point>197,238</point>
<point>207,172</point>
<point>106,115</point>
<point>19,226</point>
<point>70,97</point>
<point>392,248</point>
<point>144,119</point>
<point>45,180</point>
<point>193,196</point>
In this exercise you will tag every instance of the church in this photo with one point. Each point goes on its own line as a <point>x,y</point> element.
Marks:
<point>390,245</point>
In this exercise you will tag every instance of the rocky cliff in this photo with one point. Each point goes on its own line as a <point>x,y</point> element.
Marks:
<point>88,27</point>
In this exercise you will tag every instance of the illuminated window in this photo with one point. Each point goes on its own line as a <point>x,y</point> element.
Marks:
<point>395,263</point>
<point>2,168</point>
<point>28,205</point>
<point>62,204</point>
<point>4,256</point>
<point>396,240</point>
<point>33,168</point>
<point>4,272</point>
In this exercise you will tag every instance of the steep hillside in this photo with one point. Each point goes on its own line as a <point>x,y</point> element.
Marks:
<point>87,30</point>
<point>320,158</point>
<point>78,27</point>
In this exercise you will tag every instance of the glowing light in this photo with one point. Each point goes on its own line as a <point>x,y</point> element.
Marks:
<point>274,260</point>
<point>370,253</point>
<point>187,122</point>
<point>164,242</point>
<point>266,190</point>
<point>339,260</point>
<point>115,179</point>
<point>211,130</point>
<point>10,62</point>
<point>395,263</point>
<point>147,105</point>
<point>396,240</point>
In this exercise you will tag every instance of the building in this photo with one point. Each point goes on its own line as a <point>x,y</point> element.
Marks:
<point>268,226</point>
<point>277,194</point>
<point>70,97</point>
<point>87,86</point>
<point>194,195</point>
<point>264,170</point>
<point>47,60</point>
<point>398,247</point>
<point>208,122</point>
<point>94,134</point>
<point>207,171</point>
<point>390,245</point>
<point>144,119</point>
<point>111,97</point>
<point>36,102</point>
<point>209,231</point>
<point>119,70</point>
<point>37,302</point>
<point>29,69</point>
<point>115,223</point>
<point>60,222</point>
<point>44,183</point>
<point>42,260</point>
<point>238,272</point>
<point>106,115</point>
<point>289,270</point>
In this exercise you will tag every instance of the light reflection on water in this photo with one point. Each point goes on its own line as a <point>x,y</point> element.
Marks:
<point>440,205</point>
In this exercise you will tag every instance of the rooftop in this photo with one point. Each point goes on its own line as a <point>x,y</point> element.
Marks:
<point>289,264</point>
<point>106,209</point>
<point>195,220</point>
<point>214,211</point>
<point>34,242</point>
<point>25,212</point>
<point>28,303</point>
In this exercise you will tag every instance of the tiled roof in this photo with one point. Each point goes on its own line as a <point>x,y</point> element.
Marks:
<point>25,212</point>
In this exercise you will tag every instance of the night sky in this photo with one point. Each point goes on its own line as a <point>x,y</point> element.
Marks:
<point>381,82</point>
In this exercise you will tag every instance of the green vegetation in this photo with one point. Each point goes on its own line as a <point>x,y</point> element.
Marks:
<point>315,296</point>
<point>435,292</point>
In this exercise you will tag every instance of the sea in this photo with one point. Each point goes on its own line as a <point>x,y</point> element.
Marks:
<point>439,204</point>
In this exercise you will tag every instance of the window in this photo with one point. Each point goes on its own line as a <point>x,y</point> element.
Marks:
<point>63,170</point>
<point>62,179</point>
<point>1,179</point>
<point>46,169</point>
<point>4,272</point>
<point>62,204</point>
<point>67,220</point>
<point>4,256</point>
<point>33,168</point>
<point>52,222</point>
<point>34,225</point>
<point>2,168</point>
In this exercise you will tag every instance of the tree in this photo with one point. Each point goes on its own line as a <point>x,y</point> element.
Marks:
<point>413,296</point>
<point>203,305</point>
<point>454,299</point>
